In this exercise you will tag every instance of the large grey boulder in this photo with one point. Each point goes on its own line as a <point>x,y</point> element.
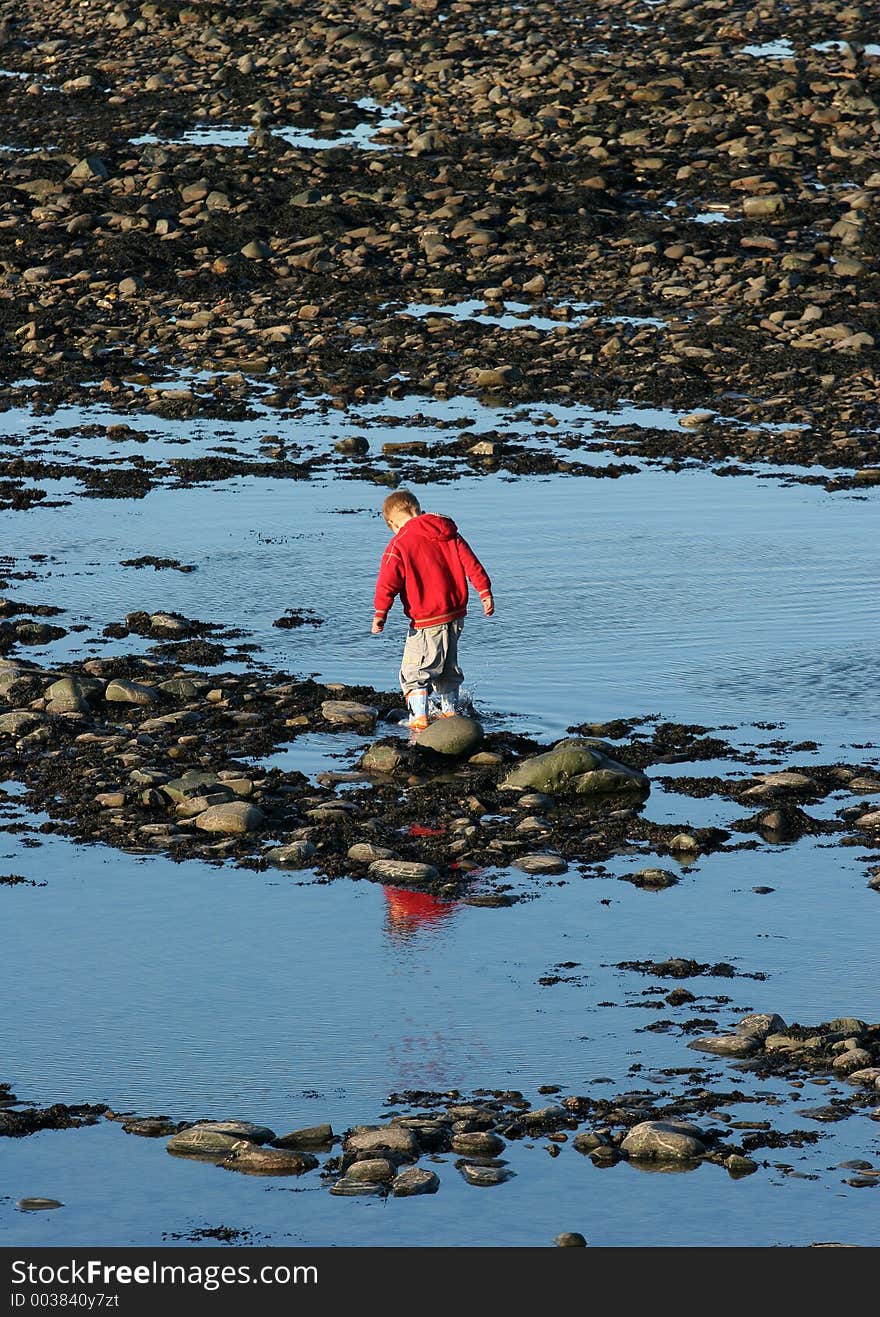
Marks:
<point>236,817</point>
<point>664,1140</point>
<point>453,736</point>
<point>579,764</point>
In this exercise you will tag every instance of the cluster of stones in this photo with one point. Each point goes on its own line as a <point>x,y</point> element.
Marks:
<point>647,1129</point>
<point>557,157</point>
<point>168,758</point>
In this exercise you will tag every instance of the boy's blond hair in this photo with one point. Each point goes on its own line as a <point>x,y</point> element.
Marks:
<point>401,500</point>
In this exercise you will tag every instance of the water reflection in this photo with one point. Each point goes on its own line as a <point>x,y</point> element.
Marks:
<point>407,912</point>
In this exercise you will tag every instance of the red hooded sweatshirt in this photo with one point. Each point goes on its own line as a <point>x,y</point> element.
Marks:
<point>429,565</point>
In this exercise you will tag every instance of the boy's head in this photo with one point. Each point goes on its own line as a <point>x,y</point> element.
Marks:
<point>399,508</point>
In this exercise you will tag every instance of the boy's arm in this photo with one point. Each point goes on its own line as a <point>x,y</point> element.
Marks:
<point>477,575</point>
<point>388,586</point>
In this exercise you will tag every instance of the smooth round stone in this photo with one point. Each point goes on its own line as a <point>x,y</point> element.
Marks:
<point>295,855</point>
<point>235,817</point>
<point>541,863</point>
<point>870,820</point>
<point>364,852</point>
<point>662,1140</point>
<point>310,1136</point>
<point>870,1076</point>
<point>149,1127</point>
<point>451,736</point>
<point>739,1166</point>
<point>349,713</point>
<point>253,1160</point>
<point>70,695</point>
<point>484,1177</point>
<point>403,871</point>
<point>651,878</point>
<point>120,691</point>
<point>727,1044</point>
<point>683,841</point>
<point>348,1188</point>
<point>382,1138</point>
<point>848,1062</point>
<point>241,1129</point>
<point>482,1143</point>
<point>570,1239</point>
<point>37,1204</point>
<point>375,1170</point>
<point>414,1180</point>
<point>201,1143</point>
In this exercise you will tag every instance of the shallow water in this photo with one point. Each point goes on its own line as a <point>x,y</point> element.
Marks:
<point>689,596</point>
<point>364,136</point>
<point>203,990</point>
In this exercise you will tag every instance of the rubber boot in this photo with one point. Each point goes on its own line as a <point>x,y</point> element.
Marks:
<point>418,710</point>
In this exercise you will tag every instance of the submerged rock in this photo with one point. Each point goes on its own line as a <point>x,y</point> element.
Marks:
<point>414,1180</point>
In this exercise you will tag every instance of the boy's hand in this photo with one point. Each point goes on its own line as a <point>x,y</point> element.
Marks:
<point>378,625</point>
<point>488,605</point>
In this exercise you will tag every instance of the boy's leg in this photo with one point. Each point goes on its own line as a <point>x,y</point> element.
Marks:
<point>447,682</point>
<point>415,679</point>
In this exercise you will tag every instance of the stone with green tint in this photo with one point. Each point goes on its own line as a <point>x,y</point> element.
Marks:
<point>581,765</point>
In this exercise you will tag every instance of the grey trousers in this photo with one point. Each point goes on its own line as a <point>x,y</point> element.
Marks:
<point>430,659</point>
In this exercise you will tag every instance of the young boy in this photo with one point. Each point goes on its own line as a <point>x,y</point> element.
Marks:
<point>428,565</point>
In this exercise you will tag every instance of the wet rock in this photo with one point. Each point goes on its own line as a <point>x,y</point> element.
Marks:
<point>652,879</point>
<point>72,695</point>
<point>347,1187</point>
<point>574,764</point>
<point>403,871</point>
<point>453,736</point>
<point>739,1166</point>
<point>483,1143</point>
<point>759,1026</point>
<point>365,852</point>
<point>484,1177</point>
<point>349,713</point>
<point>253,1160</point>
<point>235,817</point>
<point>414,1180</point>
<point>293,855</point>
<point>382,1139</point>
<point>195,1142</point>
<point>121,691</point>
<point>664,1140</point>
<point>382,757</point>
<point>541,862</point>
<point>373,1170</point>
<point>37,1204</point>
<point>310,1136</point>
<point>570,1239</point>
<point>194,782</point>
<point>731,1044</point>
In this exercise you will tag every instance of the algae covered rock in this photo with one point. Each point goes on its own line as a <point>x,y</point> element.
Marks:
<point>579,764</point>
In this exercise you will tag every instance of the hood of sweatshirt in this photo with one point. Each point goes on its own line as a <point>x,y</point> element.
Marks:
<point>430,526</point>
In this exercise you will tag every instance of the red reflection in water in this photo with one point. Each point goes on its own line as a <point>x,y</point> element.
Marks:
<point>408,911</point>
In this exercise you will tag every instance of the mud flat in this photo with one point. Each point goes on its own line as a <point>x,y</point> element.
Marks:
<point>561,160</point>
